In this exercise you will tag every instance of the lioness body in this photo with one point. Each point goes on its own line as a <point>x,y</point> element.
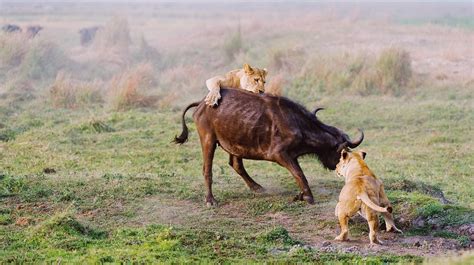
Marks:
<point>248,78</point>
<point>363,193</point>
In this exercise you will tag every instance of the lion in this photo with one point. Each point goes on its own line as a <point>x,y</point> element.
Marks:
<point>248,78</point>
<point>363,192</point>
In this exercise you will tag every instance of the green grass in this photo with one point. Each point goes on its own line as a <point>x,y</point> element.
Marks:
<point>62,238</point>
<point>108,165</point>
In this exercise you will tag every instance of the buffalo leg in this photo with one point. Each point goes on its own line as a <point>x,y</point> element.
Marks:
<point>295,169</point>
<point>208,148</point>
<point>237,164</point>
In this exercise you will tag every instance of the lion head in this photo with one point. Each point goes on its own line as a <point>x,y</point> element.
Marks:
<point>350,161</point>
<point>253,79</point>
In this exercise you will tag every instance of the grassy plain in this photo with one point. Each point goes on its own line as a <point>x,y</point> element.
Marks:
<point>83,180</point>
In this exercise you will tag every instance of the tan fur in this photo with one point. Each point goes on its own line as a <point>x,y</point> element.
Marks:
<point>363,193</point>
<point>247,78</point>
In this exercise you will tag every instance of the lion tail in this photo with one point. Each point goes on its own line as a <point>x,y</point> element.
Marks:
<point>365,199</point>
<point>183,137</point>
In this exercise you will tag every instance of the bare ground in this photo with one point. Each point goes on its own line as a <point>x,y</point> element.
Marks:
<point>314,225</point>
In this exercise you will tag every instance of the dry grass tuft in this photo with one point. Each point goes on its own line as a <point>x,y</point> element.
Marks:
<point>67,92</point>
<point>393,70</point>
<point>131,88</point>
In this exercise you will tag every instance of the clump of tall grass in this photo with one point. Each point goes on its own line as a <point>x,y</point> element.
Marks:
<point>13,48</point>
<point>132,88</point>
<point>389,73</point>
<point>66,92</point>
<point>43,59</point>
<point>33,58</point>
<point>393,70</point>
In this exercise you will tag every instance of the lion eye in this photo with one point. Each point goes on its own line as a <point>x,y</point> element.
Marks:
<point>256,79</point>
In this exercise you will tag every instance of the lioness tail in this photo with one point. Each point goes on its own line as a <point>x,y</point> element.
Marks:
<point>183,137</point>
<point>365,198</point>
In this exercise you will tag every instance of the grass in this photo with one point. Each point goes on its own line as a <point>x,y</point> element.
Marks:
<point>88,173</point>
<point>107,166</point>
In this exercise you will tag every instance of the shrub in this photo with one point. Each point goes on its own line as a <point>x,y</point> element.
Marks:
<point>129,89</point>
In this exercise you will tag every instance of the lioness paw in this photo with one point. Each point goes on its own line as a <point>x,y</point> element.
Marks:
<point>212,98</point>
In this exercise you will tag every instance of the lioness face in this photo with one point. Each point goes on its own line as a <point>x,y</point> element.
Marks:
<point>342,165</point>
<point>253,79</point>
<point>346,157</point>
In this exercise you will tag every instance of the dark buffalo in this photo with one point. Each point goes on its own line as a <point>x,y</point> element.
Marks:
<point>32,31</point>
<point>11,28</point>
<point>264,127</point>
<point>87,35</point>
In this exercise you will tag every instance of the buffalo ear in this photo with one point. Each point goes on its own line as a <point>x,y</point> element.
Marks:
<point>363,154</point>
<point>344,154</point>
<point>248,69</point>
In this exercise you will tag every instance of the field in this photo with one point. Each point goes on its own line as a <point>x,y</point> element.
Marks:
<point>88,172</point>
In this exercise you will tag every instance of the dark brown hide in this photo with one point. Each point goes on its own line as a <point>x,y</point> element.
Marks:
<point>264,127</point>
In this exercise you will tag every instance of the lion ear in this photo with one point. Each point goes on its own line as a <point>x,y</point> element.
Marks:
<point>363,154</point>
<point>344,153</point>
<point>248,69</point>
<point>265,72</point>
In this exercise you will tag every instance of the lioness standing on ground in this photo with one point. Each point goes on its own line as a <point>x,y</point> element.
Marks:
<point>363,193</point>
<point>248,78</point>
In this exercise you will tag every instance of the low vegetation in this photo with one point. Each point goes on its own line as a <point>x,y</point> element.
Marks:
<point>88,173</point>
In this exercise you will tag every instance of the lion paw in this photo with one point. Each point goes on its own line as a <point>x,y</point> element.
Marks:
<point>212,98</point>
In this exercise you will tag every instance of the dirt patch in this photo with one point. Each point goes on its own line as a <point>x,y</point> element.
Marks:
<point>314,226</point>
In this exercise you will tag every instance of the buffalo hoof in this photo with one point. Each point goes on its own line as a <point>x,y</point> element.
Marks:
<point>308,199</point>
<point>258,189</point>
<point>211,202</point>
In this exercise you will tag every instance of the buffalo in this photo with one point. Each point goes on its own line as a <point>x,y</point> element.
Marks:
<point>32,31</point>
<point>11,28</point>
<point>264,127</point>
<point>87,35</point>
